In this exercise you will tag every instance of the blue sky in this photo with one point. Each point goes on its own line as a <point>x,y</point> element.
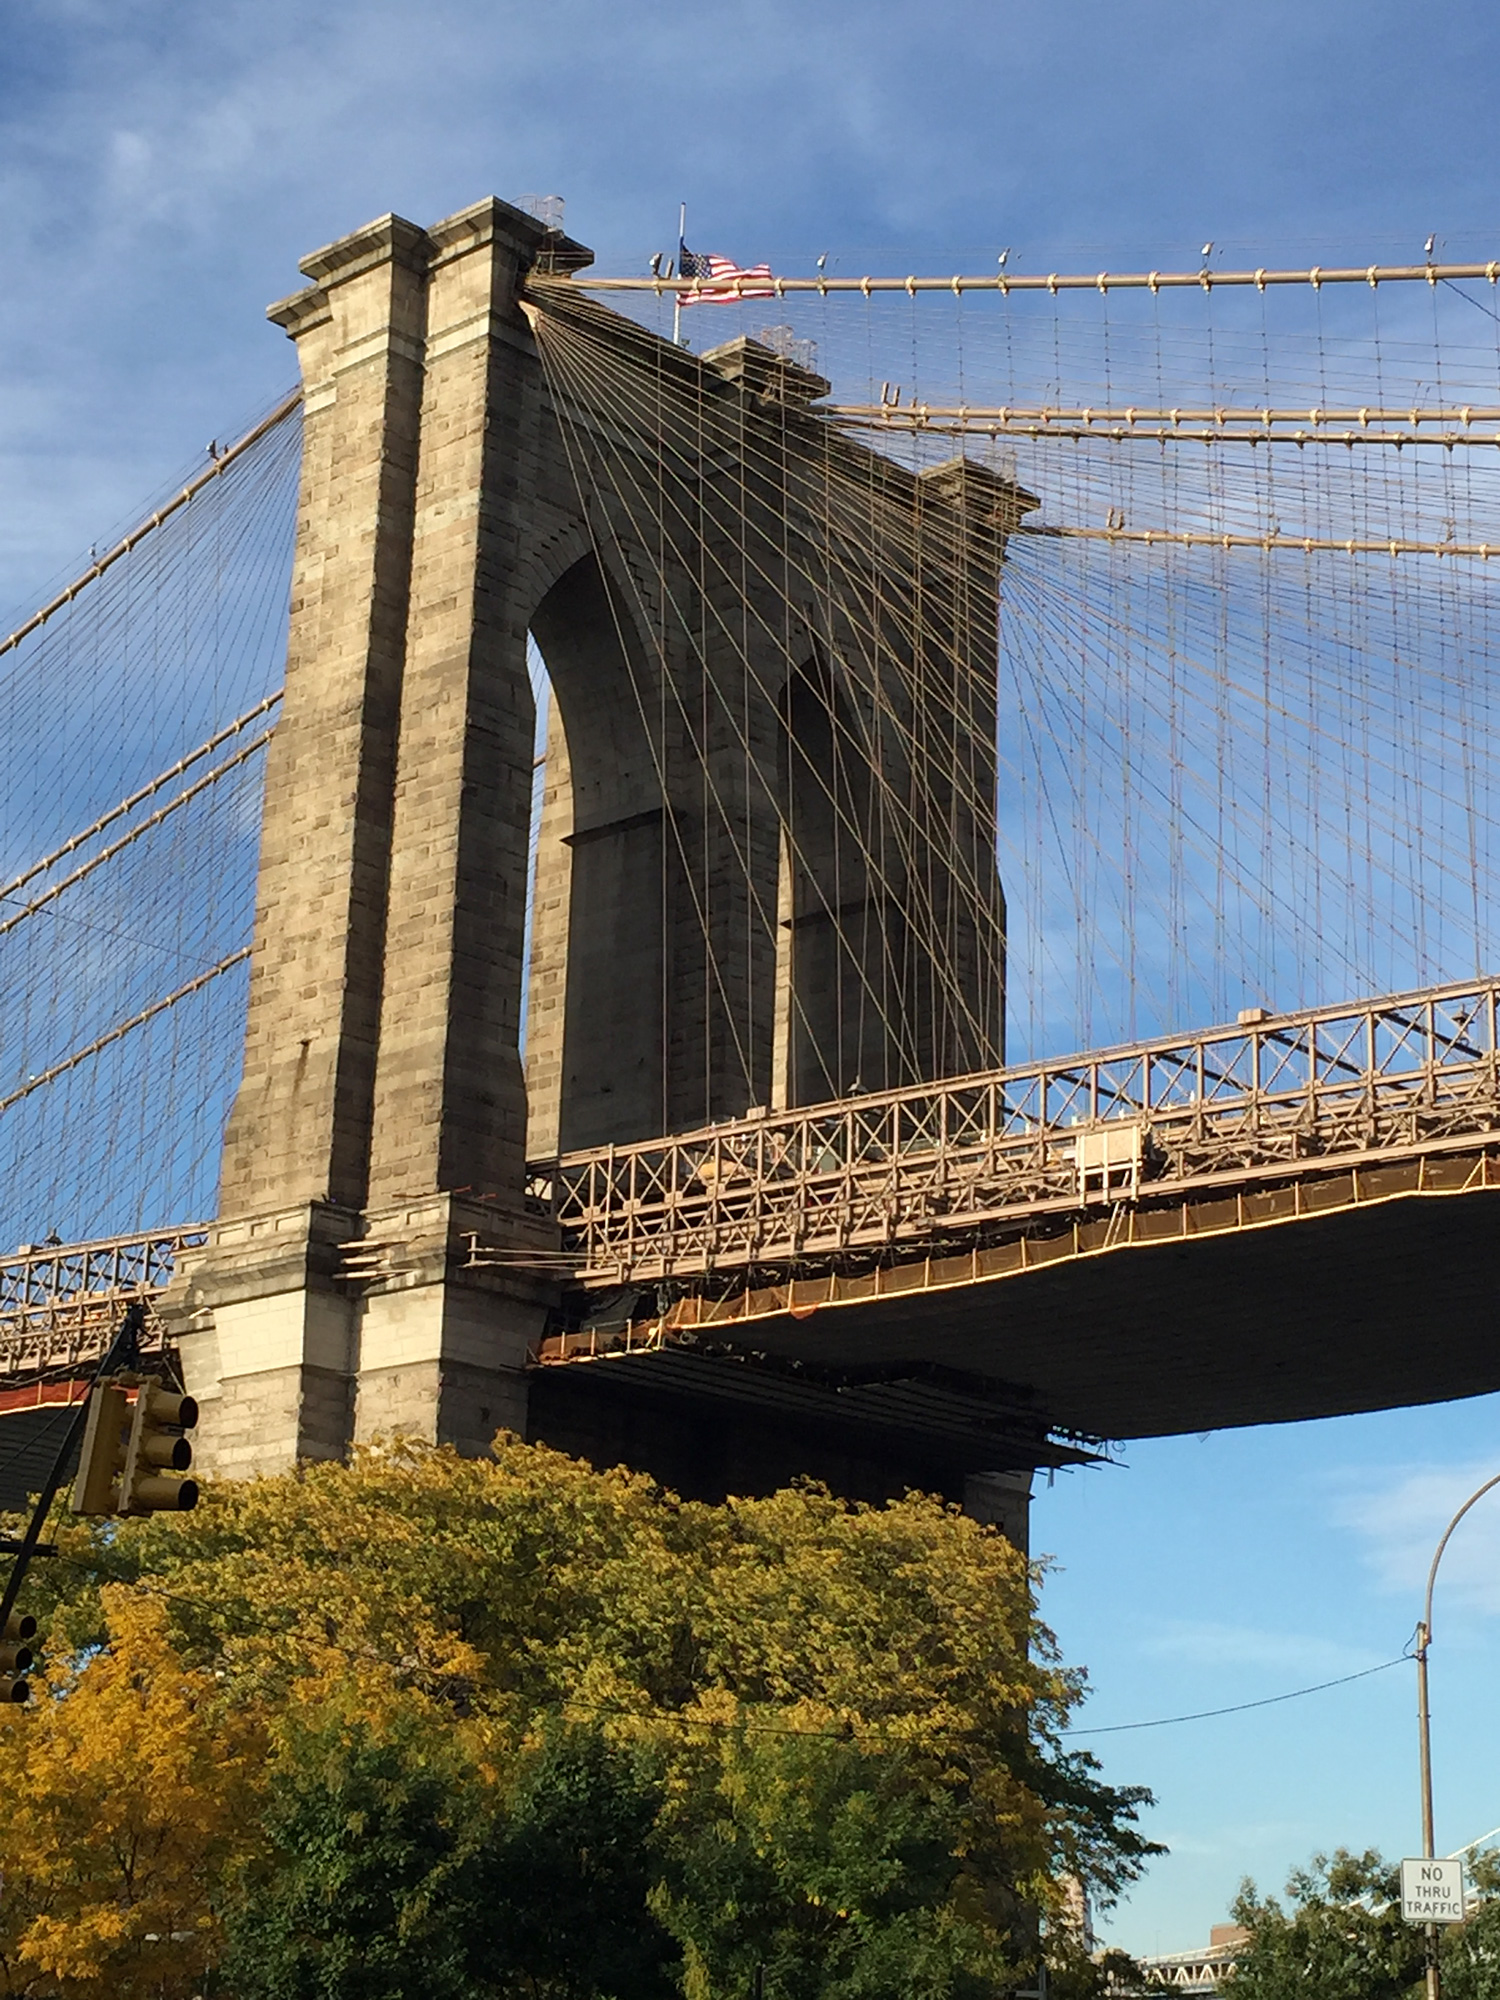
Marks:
<point>1207,1572</point>
<point>162,167</point>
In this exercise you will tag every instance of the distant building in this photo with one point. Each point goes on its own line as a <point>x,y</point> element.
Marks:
<point>1077,1915</point>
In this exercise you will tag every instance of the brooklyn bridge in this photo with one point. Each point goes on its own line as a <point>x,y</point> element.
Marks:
<point>895,896</point>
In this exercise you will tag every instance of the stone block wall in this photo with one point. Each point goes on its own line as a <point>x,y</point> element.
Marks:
<point>760,635</point>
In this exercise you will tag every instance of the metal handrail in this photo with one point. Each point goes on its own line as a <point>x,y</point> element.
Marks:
<point>909,1164</point>
<point>57,1300</point>
<point>1278,1094</point>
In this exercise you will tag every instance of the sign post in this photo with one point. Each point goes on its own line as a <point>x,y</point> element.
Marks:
<point>1432,1892</point>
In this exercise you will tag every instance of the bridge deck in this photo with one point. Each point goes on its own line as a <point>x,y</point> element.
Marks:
<point>1018,1151</point>
<point>1236,1227</point>
<point>1305,1307</point>
<point>1292,1217</point>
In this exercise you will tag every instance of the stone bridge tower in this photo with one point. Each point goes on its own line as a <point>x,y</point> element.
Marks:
<point>766,870</point>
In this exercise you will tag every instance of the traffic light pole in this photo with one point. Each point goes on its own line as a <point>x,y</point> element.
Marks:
<point>122,1350</point>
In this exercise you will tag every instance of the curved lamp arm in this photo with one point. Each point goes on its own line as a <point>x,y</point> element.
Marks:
<point>1425,1634</point>
<point>1424,1714</point>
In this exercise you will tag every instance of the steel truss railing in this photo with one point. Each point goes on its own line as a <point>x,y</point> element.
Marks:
<point>936,1162</point>
<point>1280,1095</point>
<point>58,1302</point>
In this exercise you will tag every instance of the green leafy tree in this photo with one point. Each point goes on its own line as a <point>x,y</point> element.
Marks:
<point>824,1731</point>
<point>835,1870</point>
<point>565,1880</point>
<point>396,1868</point>
<point>367,1891</point>
<point>1341,1937</point>
<point>1074,1973</point>
<point>1471,1950</point>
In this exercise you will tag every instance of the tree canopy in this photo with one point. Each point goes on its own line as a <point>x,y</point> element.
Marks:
<point>1341,1935</point>
<point>513,1726</point>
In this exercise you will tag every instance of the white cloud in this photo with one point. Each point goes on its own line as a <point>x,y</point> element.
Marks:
<point>129,159</point>
<point>1399,1517</point>
<point>1210,1643</point>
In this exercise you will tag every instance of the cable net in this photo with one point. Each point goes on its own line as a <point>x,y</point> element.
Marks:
<point>1255,775</point>
<point>1222,776</point>
<point>128,837</point>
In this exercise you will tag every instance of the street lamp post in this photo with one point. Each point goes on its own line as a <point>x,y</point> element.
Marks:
<point>1424,1719</point>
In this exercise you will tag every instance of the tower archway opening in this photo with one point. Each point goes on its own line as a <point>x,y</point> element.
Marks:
<point>598,895</point>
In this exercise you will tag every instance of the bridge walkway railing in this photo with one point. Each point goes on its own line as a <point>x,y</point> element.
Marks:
<point>932,1163</point>
<point>59,1301</point>
<point>1271,1098</point>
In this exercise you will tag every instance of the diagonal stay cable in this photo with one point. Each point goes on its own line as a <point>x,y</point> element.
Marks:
<point>154,520</point>
<point>612,474</point>
<point>122,1028</point>
<point>184,797</point>
<point>162,778</point>
<point>617,379</point>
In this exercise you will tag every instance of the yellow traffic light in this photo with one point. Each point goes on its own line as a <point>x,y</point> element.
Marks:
<point>103,1455</point>
<point>16,1656</point>
<point>155,1448</point>
<point>130,1448</point>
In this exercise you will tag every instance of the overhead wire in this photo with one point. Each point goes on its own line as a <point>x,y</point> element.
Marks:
<point>843,1731</point>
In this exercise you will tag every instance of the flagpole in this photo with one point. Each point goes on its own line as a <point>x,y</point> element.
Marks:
<point>677,296</point>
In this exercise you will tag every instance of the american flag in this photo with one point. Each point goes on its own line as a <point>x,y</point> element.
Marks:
<point>724,282</point>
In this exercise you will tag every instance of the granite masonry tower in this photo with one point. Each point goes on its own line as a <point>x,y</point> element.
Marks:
<point>686,963</point>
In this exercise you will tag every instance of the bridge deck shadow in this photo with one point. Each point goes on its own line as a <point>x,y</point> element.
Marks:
<point>1379,1304</point>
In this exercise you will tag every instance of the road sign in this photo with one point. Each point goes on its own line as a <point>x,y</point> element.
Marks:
<point>1432,1892</point>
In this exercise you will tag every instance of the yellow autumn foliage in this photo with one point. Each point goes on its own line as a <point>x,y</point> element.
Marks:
<point>127,1786</point>
<point>493,1601</point>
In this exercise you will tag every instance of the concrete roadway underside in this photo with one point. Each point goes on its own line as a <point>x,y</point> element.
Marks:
<point>1374,1307</point>
<point>963,1387</point>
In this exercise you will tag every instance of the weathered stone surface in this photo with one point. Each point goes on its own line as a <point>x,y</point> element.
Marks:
<point>729,908</point>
